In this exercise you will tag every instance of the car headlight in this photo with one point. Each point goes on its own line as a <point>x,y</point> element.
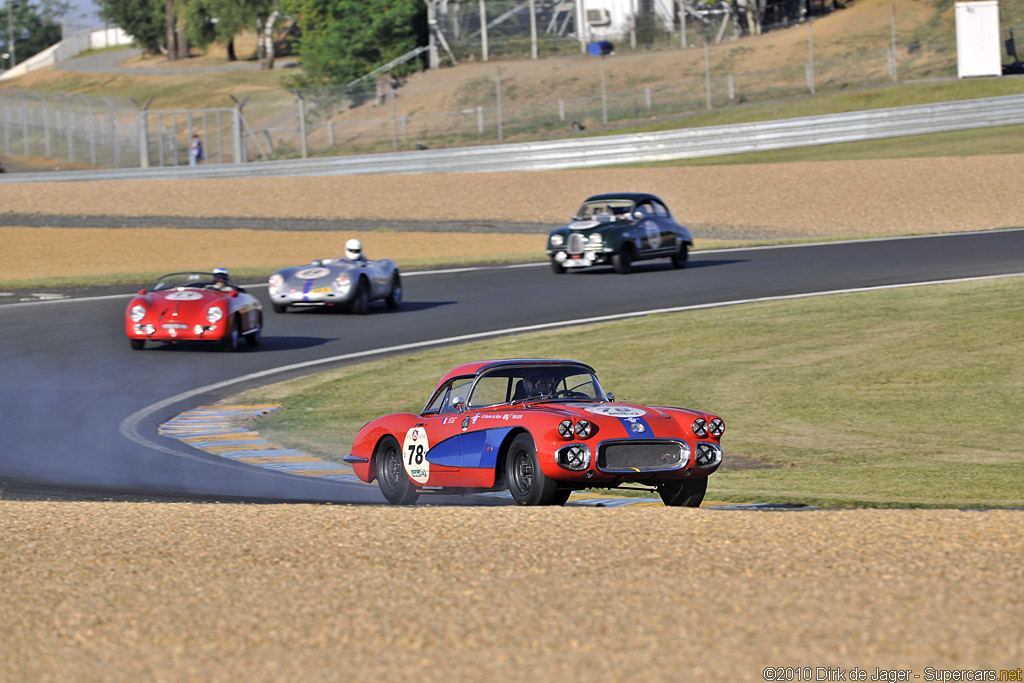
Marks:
<point>716,427</point>
<point>583,429</point>
<point>595,239</point>
<point>700,427</point>
<point>557,240</point>
<point>343,282</point>
<point>707,455</point>
<point>137,313</point>
<point>565,429</point>
<point>575,457</point>
<point>276,282</point>
<point>214,313</point>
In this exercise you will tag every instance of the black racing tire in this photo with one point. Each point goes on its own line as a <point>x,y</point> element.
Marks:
<point>681,256</point>
<point>623,260</point>
<point>556,267</point>
<point>526,481</point>
<point>279,308</point>
<point>361,301</point>
<point>394,299</point>
<point>686,493</point>
<point>230,340</point>
<point>137,344</point>
<point>394,483</point>
<point>255,336</point>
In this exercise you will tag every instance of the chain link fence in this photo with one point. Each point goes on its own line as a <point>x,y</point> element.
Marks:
<point>364,117</point>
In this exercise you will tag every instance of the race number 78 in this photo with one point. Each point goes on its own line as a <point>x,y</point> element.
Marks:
<point>415,454</point>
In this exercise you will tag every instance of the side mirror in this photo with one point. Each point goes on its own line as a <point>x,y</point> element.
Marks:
<point>574,217</point>
<point>611,397</point>
<point>142,292</point>
<point>459,404</point>
<point>316,262</point>
<point>639,215</point>
<point>234,293</point>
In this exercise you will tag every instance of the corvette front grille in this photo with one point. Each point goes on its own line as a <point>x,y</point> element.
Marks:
<point>641,456</point>
<point>575,245</point>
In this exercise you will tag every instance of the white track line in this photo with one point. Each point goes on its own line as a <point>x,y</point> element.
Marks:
<point>470,269</point>
<point>129,427</point>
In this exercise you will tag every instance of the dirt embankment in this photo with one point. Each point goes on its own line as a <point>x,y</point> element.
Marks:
<point>839,198</point>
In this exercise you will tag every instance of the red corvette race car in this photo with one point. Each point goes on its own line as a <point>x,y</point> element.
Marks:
<point>541,429</point>
<point>194,306</point>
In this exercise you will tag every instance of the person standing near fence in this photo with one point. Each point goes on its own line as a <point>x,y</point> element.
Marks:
<point>195,151</point>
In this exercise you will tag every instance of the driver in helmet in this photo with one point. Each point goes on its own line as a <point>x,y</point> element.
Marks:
<point>354,251</point>
<point>221,280</point>
<point>538,386</point>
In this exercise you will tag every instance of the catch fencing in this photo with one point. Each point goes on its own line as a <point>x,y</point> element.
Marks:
<point>365,117</point>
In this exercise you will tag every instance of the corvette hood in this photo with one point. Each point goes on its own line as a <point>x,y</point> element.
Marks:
<point>596,412</point>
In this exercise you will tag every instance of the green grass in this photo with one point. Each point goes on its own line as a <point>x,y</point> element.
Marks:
<point>908,397</point>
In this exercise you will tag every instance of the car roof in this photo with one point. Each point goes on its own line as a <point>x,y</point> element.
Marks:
<point>479,366</point>
<point>632,196</point>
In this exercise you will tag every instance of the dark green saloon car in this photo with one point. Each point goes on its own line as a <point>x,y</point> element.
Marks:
<point>618,229</point>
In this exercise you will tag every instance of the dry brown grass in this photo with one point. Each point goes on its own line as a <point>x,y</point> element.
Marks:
<point>34,253</point>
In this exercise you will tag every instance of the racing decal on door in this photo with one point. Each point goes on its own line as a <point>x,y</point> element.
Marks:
<point>312,273</point>
<point>185,295</point>
<point>414,455</point>
<point>653,234</point>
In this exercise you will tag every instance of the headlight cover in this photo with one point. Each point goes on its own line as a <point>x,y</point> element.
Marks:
<point>557,240</point>
<point>716,427</point>
<point>583,428</point>
<point>565,429</point>
<point>343,282</point>
<point>214,313</point>
<point>137,313</point>
<point>596,238</point>
<point>707,455</point>
<point>575,457</point>
<point>276,282</point>
<point>700,427</point>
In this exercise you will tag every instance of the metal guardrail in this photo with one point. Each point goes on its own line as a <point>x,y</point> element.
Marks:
<point>609,150</point>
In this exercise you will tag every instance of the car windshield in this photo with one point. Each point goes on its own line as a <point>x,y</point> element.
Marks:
<point>515,384</point>
<point>606,210</point>
<point>193,280</point>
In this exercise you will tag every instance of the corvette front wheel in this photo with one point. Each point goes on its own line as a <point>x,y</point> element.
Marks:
<point>526,481</point>
<point>137,344</point>
<point>683,492</point>
<point>394,483</point>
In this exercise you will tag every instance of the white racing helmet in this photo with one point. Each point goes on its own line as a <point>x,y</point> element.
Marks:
<point>353,249</point>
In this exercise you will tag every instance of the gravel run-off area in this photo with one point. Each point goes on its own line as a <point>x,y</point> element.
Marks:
<point>219,592</point>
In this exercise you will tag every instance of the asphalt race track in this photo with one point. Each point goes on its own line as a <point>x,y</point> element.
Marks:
<point>79,408</point>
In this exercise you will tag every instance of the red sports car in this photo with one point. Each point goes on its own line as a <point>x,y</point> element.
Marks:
<point>541,429</point>
<point>194,306</point>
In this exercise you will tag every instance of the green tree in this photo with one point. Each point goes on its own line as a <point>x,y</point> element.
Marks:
<point>344,39</point>
<point>219,21</point>
<point>144,20</point>
<point>36,27</point>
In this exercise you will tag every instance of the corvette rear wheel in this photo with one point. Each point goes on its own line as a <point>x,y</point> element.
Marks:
<point>391,477</point>
<point>623,261</point>
<point>526,481</point>
<point>683,492</point>
<point>137,344</point>
<point>394,299</point>
<point>680,257</point>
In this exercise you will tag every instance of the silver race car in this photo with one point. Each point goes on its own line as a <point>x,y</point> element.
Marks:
<point>341,281</point>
